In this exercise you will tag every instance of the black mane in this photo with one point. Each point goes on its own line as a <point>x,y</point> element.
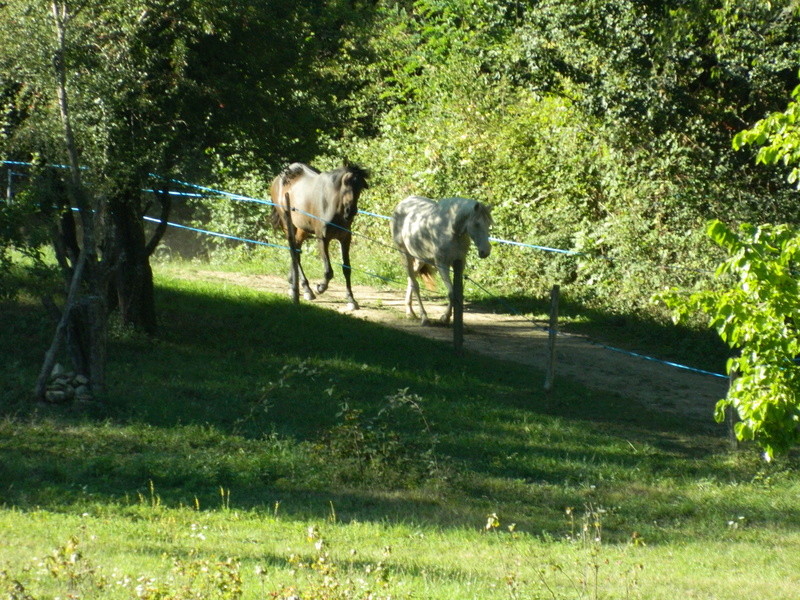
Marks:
<point>359,174</point>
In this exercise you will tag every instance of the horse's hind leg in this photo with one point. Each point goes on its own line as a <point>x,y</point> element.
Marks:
<point>298,245</point>
<point>413,290</point>
<point>444,271</point>
<point>347,272</point>
<point>307,293</point>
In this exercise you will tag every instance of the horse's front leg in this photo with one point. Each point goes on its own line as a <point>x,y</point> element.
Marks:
<point>326,263</point>
<point>444,271</point>
<point>347,272</point>
<point>307,293</point>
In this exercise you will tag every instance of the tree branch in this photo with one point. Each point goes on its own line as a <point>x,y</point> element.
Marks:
<point>166,206</point>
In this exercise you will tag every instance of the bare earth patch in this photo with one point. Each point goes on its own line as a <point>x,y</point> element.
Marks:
<point>517,339</point>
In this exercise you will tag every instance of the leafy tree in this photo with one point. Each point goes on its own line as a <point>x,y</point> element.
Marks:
<point>778,138</point>
<point>756,313</point>
<point>156,86</point>
<point>596,126</point>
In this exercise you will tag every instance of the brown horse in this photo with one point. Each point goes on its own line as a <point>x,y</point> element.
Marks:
<point>323,206</point>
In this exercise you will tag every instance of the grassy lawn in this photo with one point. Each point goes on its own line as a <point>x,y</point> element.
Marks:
<point>258,449</point>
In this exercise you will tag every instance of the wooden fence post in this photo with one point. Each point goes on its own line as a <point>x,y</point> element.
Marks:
<point>458,306</point>
<point>730,414</point>
<point>10,188</point>
<point>551,340</point>
<point>293,252</point>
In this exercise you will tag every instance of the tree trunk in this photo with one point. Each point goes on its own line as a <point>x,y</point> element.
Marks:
<point>83,320</point>
<point>131,283</point>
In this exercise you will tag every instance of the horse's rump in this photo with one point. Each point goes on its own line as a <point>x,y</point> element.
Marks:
<point>295,171</point>
<point>281,186</point>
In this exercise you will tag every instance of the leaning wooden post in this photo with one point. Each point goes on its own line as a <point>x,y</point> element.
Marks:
<point>458,305</point>
<point>551,340</point>
<point>293,252</point>
<point>10,188</point>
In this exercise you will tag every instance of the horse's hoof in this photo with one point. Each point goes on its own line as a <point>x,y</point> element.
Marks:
<point>424,322</point>
<point>321,288</point>
<point>352,305</point>
<point>309,296</point>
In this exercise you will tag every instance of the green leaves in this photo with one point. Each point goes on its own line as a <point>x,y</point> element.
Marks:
<point>779,137</point>
<point>756,312</point>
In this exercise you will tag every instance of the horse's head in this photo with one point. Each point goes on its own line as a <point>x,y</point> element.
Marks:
<point>478,225</point>
<point>353,181</point>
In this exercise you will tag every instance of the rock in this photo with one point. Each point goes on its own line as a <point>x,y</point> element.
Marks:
<point>83,393</point>
<point>59,396</point>
<point>60,381</point>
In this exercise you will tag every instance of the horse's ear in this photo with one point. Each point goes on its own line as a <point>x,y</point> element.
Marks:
<point>346,178</point>
<point>481,208</point>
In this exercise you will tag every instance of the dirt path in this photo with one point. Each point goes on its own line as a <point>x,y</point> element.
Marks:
<point>517,339</point>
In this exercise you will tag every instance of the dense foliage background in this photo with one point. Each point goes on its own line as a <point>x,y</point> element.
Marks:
<point>600,127</point>
<point>595,126</point>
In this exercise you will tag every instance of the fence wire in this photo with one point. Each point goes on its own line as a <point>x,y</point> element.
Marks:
<point>205,192</point>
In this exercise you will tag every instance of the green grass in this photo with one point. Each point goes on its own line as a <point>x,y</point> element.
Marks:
<point>249,420</point>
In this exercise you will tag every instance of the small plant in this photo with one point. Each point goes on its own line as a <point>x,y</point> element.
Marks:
<point>589,530</point>
<point>153,500</point>
<point>67,564</point>
<point>584,578</point>
<point>194,579</point>
<point>326,580</point>
<point>373,449</point>
<point>12,589</point>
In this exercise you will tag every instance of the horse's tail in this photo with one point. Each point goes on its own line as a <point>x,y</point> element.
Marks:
<point>276,218</point>
<point>427,271</point>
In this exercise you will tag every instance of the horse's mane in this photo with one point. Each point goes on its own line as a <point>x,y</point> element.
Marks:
<point>485,212</point>
<point>359,180</point>
<point>468,208</point>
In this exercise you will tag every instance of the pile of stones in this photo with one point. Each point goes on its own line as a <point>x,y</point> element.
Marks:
<point>65,386</point>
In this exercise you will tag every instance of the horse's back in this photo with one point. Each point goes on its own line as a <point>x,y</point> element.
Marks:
<point>408,212</point>
<point>416,227</point>
<point>414,206</point>
<point>298,170</point>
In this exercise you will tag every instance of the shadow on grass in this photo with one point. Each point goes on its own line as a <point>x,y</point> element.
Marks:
<point>240,389</point>
<point>697,348</point>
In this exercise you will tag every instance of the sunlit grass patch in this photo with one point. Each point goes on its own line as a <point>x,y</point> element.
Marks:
<point>249,421</point>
